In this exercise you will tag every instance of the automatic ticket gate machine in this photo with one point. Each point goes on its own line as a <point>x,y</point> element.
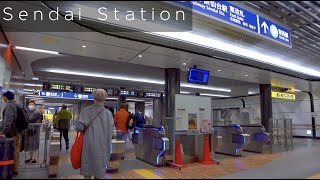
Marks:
<point>259,137</point>
<point>150,144</point>
<point>233,139</point>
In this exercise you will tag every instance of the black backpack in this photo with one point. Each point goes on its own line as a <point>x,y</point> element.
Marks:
<point>22,119</point>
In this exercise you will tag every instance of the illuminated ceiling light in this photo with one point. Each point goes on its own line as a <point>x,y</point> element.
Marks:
<point>125,78</point>
<point>296,90</point>
<point>83,46</point>
<point>184,64</point>
<point>184,92</point>
<point>139,55</point>
<point>246,75</point>
<point>30,90</point>
<point>28,93</point>
<point>28,84</point>
<point>252,92</point>
<point>35,78</point>
<point>214,95</point>
<point>199,40</point>
<point>219,70</point>
<point>138,100</point>
<point>36,50</point>
<point>4,45</point>
<point>188,85</point>
<point>105,76</point>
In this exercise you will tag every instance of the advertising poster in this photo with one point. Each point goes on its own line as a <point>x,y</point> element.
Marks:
<point>192,121</point>
<point>205,123</point>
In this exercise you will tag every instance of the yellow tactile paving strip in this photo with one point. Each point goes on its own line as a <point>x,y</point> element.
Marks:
<point>317,176</point>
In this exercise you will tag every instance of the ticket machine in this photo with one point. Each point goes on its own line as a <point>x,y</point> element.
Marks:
<point>150,144</point>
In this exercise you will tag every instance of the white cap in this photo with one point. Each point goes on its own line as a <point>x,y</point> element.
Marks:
<point>99,94</point>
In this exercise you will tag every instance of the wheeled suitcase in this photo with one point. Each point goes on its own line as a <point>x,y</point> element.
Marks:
<point>6,158</point>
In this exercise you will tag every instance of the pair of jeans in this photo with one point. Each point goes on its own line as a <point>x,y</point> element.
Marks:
<point>127,135</point>
<point>64,133</point>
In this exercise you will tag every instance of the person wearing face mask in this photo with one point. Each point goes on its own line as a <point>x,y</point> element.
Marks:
<point>139,119</point>
<point>33,132</point>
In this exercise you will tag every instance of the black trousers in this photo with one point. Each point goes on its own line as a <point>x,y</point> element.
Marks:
<point>64,133</point>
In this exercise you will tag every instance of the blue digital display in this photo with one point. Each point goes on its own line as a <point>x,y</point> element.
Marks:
<point>198,76</point>
<point>236,16</point>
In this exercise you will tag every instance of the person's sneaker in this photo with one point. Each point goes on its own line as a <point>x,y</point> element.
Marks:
<point>33,161</point>
<point>27,161</point>
<point>67,147</point>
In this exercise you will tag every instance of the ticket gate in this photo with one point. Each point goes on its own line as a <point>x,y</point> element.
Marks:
<point>233,139</point>
<point>150,144</point>
<point>259,137</point>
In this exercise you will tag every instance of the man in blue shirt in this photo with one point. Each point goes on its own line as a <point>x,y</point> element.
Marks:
<point>139,119</point>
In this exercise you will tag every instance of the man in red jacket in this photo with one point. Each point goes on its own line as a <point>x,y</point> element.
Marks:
<point>120,120</point>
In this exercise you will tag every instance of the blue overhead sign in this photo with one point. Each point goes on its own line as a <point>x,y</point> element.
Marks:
<point>241,18</point>
<point>66,95</point>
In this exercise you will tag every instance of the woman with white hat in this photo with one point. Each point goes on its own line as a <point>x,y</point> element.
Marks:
<point>97,138</point>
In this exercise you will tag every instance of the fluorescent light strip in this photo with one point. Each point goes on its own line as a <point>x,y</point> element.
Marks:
<point>38,85</point>
<point>204,87</point>
<point>36,50</point>
<point>138,100</point>
<point>215,95</point>
<point>184,92</point>
<point>62,71</point>
<point>233,49</point>
<point>105,76</point>
<point>296,90</point>
<point>30,90</point>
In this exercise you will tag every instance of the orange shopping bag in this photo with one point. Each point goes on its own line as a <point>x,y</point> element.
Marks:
<point>76,151</point>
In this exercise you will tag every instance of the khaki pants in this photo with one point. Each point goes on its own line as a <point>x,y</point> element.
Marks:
<point>16,146</point>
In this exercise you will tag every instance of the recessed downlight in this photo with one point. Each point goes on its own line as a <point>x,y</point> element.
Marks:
<point>83,46</point>
<point>35,78</point>
<point>246,75</point>
<point>139,55</point>
<point>184,64</point>
<point>219,70</point>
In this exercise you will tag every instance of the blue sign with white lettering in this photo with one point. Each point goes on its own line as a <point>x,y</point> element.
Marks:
<point>66,95</point>
<point>77,96</point>
<point>274,31</point>
<point>239,17</point>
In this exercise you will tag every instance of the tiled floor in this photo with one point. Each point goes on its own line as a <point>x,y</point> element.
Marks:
<point>133,169</point>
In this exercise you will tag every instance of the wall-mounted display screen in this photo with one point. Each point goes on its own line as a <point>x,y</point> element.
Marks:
<point>151,95</point>
<point>198,76</point>
<point>127,93</point>
<point>88,89</point>
<point>62,87</point>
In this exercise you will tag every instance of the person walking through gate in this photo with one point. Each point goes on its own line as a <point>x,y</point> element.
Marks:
<point>96,146</point>
<point>62,122</point>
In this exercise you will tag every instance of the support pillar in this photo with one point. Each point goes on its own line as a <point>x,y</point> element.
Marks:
<point>120,101</point>
<point>158,111</point>
<point>266,106</point>
<point>140,106</point>
<point>172,87</point>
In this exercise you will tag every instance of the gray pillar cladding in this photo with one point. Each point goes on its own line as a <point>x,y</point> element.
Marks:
<point>158,111</point>
<point>120,100</point>
<point>266,106</point>
<point>140,106</point>
<point>172,87</point>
